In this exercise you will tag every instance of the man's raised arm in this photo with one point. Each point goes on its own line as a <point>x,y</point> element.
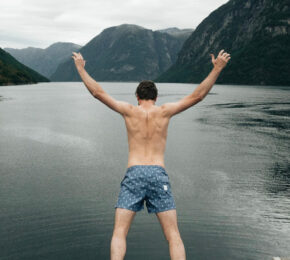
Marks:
<point>173,108</point>
<point>96,90</point>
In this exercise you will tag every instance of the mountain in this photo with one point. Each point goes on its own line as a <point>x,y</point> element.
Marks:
<point>44,61</point>
<point>255,32</point>
<point>13,72</point>
<point>124,53</point>
<point>176,32</point>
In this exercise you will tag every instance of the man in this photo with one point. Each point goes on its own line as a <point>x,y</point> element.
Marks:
<point>146,178</point>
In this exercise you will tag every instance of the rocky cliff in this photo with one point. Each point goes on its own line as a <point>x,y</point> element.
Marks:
<point>125,53</point>
<point>255,32</point>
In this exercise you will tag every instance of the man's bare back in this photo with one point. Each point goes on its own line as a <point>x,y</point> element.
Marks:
<point>147,132</point>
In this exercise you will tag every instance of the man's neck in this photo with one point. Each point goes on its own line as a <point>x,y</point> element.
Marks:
<point>146,103</point>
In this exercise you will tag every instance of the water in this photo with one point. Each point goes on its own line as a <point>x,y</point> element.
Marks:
<point>63,155</point>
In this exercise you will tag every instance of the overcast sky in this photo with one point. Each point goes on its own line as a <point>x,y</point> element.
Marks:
<point>39,23</point>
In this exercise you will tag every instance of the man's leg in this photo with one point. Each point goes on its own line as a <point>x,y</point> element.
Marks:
<point>123,220</point>
<point>168,221</point>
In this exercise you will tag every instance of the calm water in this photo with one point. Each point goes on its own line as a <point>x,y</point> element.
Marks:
<point>63,155</point>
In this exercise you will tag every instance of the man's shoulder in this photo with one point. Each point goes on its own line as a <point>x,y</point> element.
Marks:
<point>131,106</point>
<point>132,110</point>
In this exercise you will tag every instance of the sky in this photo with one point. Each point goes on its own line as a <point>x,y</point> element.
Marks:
<point>40,23</point>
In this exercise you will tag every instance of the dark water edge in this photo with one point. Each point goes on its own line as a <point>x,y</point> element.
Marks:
<point>63,155</point>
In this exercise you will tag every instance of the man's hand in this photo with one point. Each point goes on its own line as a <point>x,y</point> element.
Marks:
<point>221,61</point>
<point>79,60</point>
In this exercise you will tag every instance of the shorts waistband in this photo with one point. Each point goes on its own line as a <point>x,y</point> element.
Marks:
<point>144,166</point>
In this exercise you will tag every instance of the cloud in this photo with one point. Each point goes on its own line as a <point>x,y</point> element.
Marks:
<point>40,23</point>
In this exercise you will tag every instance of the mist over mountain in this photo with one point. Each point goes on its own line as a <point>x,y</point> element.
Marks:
<point>13,72</point>
<point>45,61</point>
<point>174,31</point>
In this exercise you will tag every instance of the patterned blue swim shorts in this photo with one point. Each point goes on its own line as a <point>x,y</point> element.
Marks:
<point>148,183</point>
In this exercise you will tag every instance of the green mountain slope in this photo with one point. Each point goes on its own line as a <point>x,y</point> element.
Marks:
<point>44,61</point>
<point>125,53</point>
<point>13,72</point>
<point>256,33</point>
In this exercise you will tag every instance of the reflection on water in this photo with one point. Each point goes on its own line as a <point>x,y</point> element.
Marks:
<point>279,179</point>
<point>270,118</point>
<point>4,98</point>
<point>242,117</point>
<point>47,136</point>
<point>63,155</point>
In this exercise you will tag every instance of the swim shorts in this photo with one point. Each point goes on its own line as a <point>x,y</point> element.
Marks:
<point>148,183</point>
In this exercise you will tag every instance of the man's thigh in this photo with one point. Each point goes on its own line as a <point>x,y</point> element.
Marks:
<point>123,220</point>
<point>168,222</point>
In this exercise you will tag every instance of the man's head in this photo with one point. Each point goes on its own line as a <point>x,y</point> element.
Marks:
<point>146,90</point>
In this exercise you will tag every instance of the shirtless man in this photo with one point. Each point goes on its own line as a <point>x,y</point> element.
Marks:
<point>146,178</point>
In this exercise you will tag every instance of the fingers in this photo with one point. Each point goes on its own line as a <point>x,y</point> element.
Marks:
<point>77,55</point>
<point>74,56</point>
<point>221,52</point>
<point>224,55</point>
<point>212,57</point>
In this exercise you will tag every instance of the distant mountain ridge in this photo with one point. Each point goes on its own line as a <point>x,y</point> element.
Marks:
<point>44,61</point>
<point>12,72</point>
<point>174,31</point>
<point>256,33</point>
<point>126,52</point>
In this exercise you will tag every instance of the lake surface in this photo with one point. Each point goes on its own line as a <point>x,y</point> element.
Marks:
<point>63,155</point>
